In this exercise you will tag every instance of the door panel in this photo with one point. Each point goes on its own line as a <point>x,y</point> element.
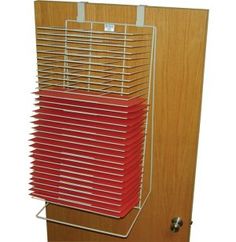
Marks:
<point>181,42</point>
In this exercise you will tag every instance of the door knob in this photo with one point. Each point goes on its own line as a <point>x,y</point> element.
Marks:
<point>176,224</point>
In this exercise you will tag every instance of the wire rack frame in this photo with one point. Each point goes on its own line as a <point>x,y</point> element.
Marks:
<point>105,60</point>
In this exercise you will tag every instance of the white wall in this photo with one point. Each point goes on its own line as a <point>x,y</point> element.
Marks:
<point>214,205</point>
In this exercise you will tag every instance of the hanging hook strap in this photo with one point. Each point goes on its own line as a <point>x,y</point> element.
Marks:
<point>140,15</point>
<point>81,11</point>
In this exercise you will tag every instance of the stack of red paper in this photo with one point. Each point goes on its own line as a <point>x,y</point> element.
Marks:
<point>88,150</point>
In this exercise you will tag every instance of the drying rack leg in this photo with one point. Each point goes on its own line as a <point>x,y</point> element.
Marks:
<point>120,235</point>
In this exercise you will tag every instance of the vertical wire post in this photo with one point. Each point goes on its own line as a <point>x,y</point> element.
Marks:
<point>140,16</point>
<point>65,76</point>
<point>90,53</point>
<point>123,63</point>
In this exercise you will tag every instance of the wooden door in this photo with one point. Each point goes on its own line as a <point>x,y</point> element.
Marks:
<point>178,89</point>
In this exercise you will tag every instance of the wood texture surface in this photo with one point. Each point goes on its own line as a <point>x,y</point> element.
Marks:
<point>178,88</point>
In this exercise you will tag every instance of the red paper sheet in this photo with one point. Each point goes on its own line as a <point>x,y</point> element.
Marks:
<point>89,171</point>
<point>88,142</point>
<point>69,159</point>
<point>115,135</point>
<point>88,207</point>
<point>88,175</point>
<point>137,135</point>
<point>102,112</point>
<point>89,124</point>
<point>85,190</point>
<point>88,150</point>
<point>108,100</point>
<point>93,106</point>
<point>116,188</point>
<point>62,149</point>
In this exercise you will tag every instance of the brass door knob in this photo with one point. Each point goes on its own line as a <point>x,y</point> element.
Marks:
<point>176,224</point>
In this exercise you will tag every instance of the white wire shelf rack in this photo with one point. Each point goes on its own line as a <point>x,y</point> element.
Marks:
<point>95,103</point>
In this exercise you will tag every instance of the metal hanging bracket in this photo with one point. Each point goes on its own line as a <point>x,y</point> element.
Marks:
<point>81,11</point>
<point>140,15</point>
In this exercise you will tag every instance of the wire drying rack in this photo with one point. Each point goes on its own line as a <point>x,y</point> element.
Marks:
<point>113,61</point>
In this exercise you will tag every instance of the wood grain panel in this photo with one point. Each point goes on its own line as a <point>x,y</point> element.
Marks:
<point>49,13</point>
<point>179,76</point>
